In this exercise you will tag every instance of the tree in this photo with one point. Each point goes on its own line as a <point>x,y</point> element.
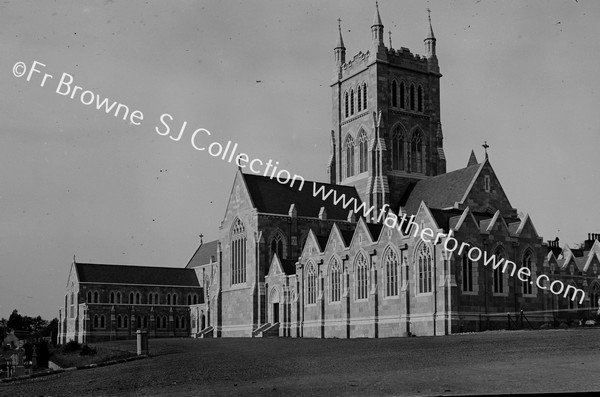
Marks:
<point>15,321</point>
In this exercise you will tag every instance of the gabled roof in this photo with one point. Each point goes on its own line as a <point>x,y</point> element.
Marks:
<point>135,275</point>
<point>272,197</point>
<point>441,191</point>
<point>206,253</point>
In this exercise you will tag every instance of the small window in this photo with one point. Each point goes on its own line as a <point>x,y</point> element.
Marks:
<point>486,183</point>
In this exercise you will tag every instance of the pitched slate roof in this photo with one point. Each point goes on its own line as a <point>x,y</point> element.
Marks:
<point>203,254</point>
<point>288,265</point>
<point>440,191</point>
<point>135,275</point>
<point>270,196</point>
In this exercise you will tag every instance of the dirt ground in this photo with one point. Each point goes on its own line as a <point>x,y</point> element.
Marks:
<point>480,363</point>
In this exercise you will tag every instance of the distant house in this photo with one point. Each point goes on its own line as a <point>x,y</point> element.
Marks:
<point>11,340</point>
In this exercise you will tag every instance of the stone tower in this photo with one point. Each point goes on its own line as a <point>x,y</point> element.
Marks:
<point>386,131</point>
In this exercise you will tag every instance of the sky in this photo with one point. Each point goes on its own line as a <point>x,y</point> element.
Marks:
<point>521,75</point>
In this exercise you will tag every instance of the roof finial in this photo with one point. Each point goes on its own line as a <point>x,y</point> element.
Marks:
<point>430,34</point>
<point>201,235</point>
<point>73,258</point>
<point>485,147</point>
<point>390,33</point>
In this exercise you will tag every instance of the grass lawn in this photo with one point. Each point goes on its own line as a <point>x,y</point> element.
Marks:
<point>104,352</point>
<point>488,362</point>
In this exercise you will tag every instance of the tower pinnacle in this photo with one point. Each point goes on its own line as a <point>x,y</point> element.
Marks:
<point>430,39</point>
<point>377,28</point>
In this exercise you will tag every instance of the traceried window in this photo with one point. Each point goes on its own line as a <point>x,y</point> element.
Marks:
<point>467,274</point>
<point>349,150</point>
<point>311,284</point>
<point>394,94</point>
<point>402,95</point>
<point>335,280</point>
<point>363,142</point>
<point>498,279</point>
<point>359,97</point>
<point>397,149</point>
<point>277,245</point>
<point>420,99</point>
<point>527,286</point>
<point>238,253</point>
<point>391,263</point>
<point>416,151</point>
<point>361,276</point>
<point>412,97</point>
<point>425,269</point>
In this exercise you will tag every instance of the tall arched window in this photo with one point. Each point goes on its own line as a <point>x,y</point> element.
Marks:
<point>397,148</point>
<point>125,322</point>
<point>498,280</point>
<point>238,252</point>
<point>112,297</point>
<point>346,104</point>
<point>150,298</point>
<point>527,286</point>
<point>174,299</point>
<point>195,299</point>
<point>349,149</point>
<point>145,321</point>
<point>96,321</point>
<point>335,280</point>
<point>363,152</point>
<point>189,299</point>
<point>412,97</point>
<point>118,297</point>
<point>467,273</point>
<point>138,298</point>
<point>277,245</point>
<point>168,299</point>
<point>394,94</point>
<point>416,152</point>
<point>364,96</point>
<point>351,102</point>
<point>594,295</point>
<point>402,95</point>
<point>176,322</point>
<point>156,302</point>
<point>425,270</point>
<point>311,284</point>
<point>359,97</point>
<point>102,322</point>
<point>420,99</point>
<point>131,298</point>
<point>95,296</point>
<point>390,262</point>
<point>164,322</point>
<point>361,277</point>
<point>119,322</point>
<point>89,297</point>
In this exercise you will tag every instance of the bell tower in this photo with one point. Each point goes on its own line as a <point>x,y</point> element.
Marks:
<point>386,127</point>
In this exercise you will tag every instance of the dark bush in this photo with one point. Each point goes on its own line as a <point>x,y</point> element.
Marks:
<point>71,346</point>
<point>87,351</point>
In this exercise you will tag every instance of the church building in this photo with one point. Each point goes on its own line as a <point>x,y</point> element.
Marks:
<point>322,261</point>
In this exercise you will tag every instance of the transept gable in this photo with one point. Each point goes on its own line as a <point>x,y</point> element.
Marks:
<point>496,224</point>
<point>524,228</point>
<point>312,245</point>
<point>336,241</point>
<point>239,198</point>
<point>465,221</point>
<point>275,268</point>
<point>593,258</point>
<point>362,236</point>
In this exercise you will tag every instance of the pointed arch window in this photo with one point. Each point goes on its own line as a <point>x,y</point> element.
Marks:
<point>425,269</point>
<point>420,99</point>
<point>238,253</point>
<point>394,94</point>
<point>125,322</point>
<point>102,322</point>
<point>412,97</point>
<point>364,96</point>
<point>362,277</point>
<point>119,322</point>
<point>527,263</point>
<point>89,297</point>
<point>277,245</point>
<point>351,102</point>
<point>95,296</point>
<point>402,101</point>
<point>391,264</point>
<point>363,153</point>
<point>397,149</point>
<point>311,284</point>
<point>359,97</point>
<point>112,297</point>
<point>96,321</point>
<point>467,274</point>
<point>416,152</point>
<point>349,150</point>
<point>138,298</point>
<point>497,276</point>
<point>335,281</point>
<point>118,297</point>
<point>346,104</point>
